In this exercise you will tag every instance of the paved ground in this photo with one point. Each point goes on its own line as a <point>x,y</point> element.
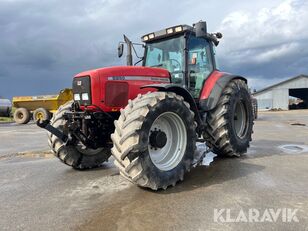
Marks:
<point>21,138</point>
<point>43,194</point>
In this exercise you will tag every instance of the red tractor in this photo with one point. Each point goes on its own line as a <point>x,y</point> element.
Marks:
<point>149,117</point>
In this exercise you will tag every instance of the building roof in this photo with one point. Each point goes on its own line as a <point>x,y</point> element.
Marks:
<point>280,83</point>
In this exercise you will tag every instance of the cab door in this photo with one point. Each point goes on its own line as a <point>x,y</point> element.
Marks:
<point>199,64</point>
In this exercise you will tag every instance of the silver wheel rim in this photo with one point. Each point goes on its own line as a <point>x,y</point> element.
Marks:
<point>240,119</point>
<point>170,155</point>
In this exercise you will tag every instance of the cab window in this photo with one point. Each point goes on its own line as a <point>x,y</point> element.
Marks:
<point>200,64</point>
<point>167,54</point>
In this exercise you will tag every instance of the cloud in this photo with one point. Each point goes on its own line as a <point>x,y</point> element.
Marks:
<point>269,43</point>
<point>44,43</point>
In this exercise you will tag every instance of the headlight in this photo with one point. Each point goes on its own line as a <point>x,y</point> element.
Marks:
<point>76,97</point>
<point>170,31</point>
<point>178,29</point>
<point>85,96</point>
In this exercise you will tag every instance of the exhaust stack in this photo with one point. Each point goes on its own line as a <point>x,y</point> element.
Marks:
<point>129,56</point>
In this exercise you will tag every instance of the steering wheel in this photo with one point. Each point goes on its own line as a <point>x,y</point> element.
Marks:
<point>178,63</point>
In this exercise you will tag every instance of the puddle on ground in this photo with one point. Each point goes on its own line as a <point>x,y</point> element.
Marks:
<point>293,148</point>
<point>202,150</point>
<point>209,158</point>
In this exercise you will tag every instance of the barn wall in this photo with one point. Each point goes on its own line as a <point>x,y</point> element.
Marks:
<point>281,98</point>
<point>265,100</point>
<point>278,96</point>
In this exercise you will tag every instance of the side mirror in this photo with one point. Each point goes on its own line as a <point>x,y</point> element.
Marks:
<point>218,35</point>
<point>120,50</point>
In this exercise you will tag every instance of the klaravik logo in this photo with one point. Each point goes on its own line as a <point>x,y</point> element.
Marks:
<point>251,215</point>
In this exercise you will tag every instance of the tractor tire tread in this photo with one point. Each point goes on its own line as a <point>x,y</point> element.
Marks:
<point>217,134</point>
<point>69,155</point>
<point>126,137</point>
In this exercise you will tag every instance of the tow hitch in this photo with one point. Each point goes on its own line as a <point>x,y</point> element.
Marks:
<point>46,125</point>
<point>76,134</point>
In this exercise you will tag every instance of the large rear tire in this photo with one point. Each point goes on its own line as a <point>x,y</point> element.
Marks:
<point>230,123</point>
<point>154,140</point>
<point>75,156</point>
<point>22,116</point>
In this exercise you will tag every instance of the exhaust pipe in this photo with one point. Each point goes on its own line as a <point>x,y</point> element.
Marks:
<point>129,56</point>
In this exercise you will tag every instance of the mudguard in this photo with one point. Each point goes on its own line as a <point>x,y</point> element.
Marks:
<point>212,89</point>
<point>180,91</point>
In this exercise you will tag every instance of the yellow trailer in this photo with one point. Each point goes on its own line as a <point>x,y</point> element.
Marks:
<point>40,107</point>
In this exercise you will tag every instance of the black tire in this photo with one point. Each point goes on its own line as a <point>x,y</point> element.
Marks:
<point>131,139</point>
<point>41,114</point>
<point>8,112</point>
<point>254,103</point>
<point>22,116</point>
<point>221,134</point>
<point>71,155</point>
<point>256,110</point>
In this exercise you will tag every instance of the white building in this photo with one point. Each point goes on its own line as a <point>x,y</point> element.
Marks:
<point>277,96</point>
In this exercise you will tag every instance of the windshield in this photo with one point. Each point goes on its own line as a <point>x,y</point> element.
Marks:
<point>167,54</point>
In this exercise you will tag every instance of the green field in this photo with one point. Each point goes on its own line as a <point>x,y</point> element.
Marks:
<point>6,119</point>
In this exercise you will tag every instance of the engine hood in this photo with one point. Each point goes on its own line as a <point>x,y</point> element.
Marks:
<point>127,71</point>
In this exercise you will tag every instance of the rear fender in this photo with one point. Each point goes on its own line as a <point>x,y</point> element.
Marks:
<point>212,89</point>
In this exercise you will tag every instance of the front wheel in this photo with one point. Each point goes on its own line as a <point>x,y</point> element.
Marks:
<point>76,156</point>
<point>229,125</point>
<point>154,140</point>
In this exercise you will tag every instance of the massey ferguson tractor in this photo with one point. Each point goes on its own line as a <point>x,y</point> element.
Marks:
<point>149,117</point>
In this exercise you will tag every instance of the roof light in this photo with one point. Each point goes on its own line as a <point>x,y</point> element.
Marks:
<point>170,31</point>
<point>145,38</point>
<point>178,29</point>
<point>151,36</point>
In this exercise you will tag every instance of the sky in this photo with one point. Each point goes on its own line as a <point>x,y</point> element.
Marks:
<point>43,44</point>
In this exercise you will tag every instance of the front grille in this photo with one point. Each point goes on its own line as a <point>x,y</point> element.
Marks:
<point>82,85</point>
<point>116,94</point>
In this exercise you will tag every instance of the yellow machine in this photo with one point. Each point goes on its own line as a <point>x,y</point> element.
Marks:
<point>42,106</point>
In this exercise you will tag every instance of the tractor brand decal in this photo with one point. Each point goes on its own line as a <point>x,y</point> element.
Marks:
<point>140,78</point>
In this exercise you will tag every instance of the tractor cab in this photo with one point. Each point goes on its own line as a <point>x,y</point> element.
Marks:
<point>186,52</point>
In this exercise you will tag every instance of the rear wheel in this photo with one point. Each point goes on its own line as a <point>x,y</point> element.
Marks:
<point>41,114</point>
<point>229,125</point>
<point>76,156</point>
<point>22,116</point>
<point>154,140</point>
